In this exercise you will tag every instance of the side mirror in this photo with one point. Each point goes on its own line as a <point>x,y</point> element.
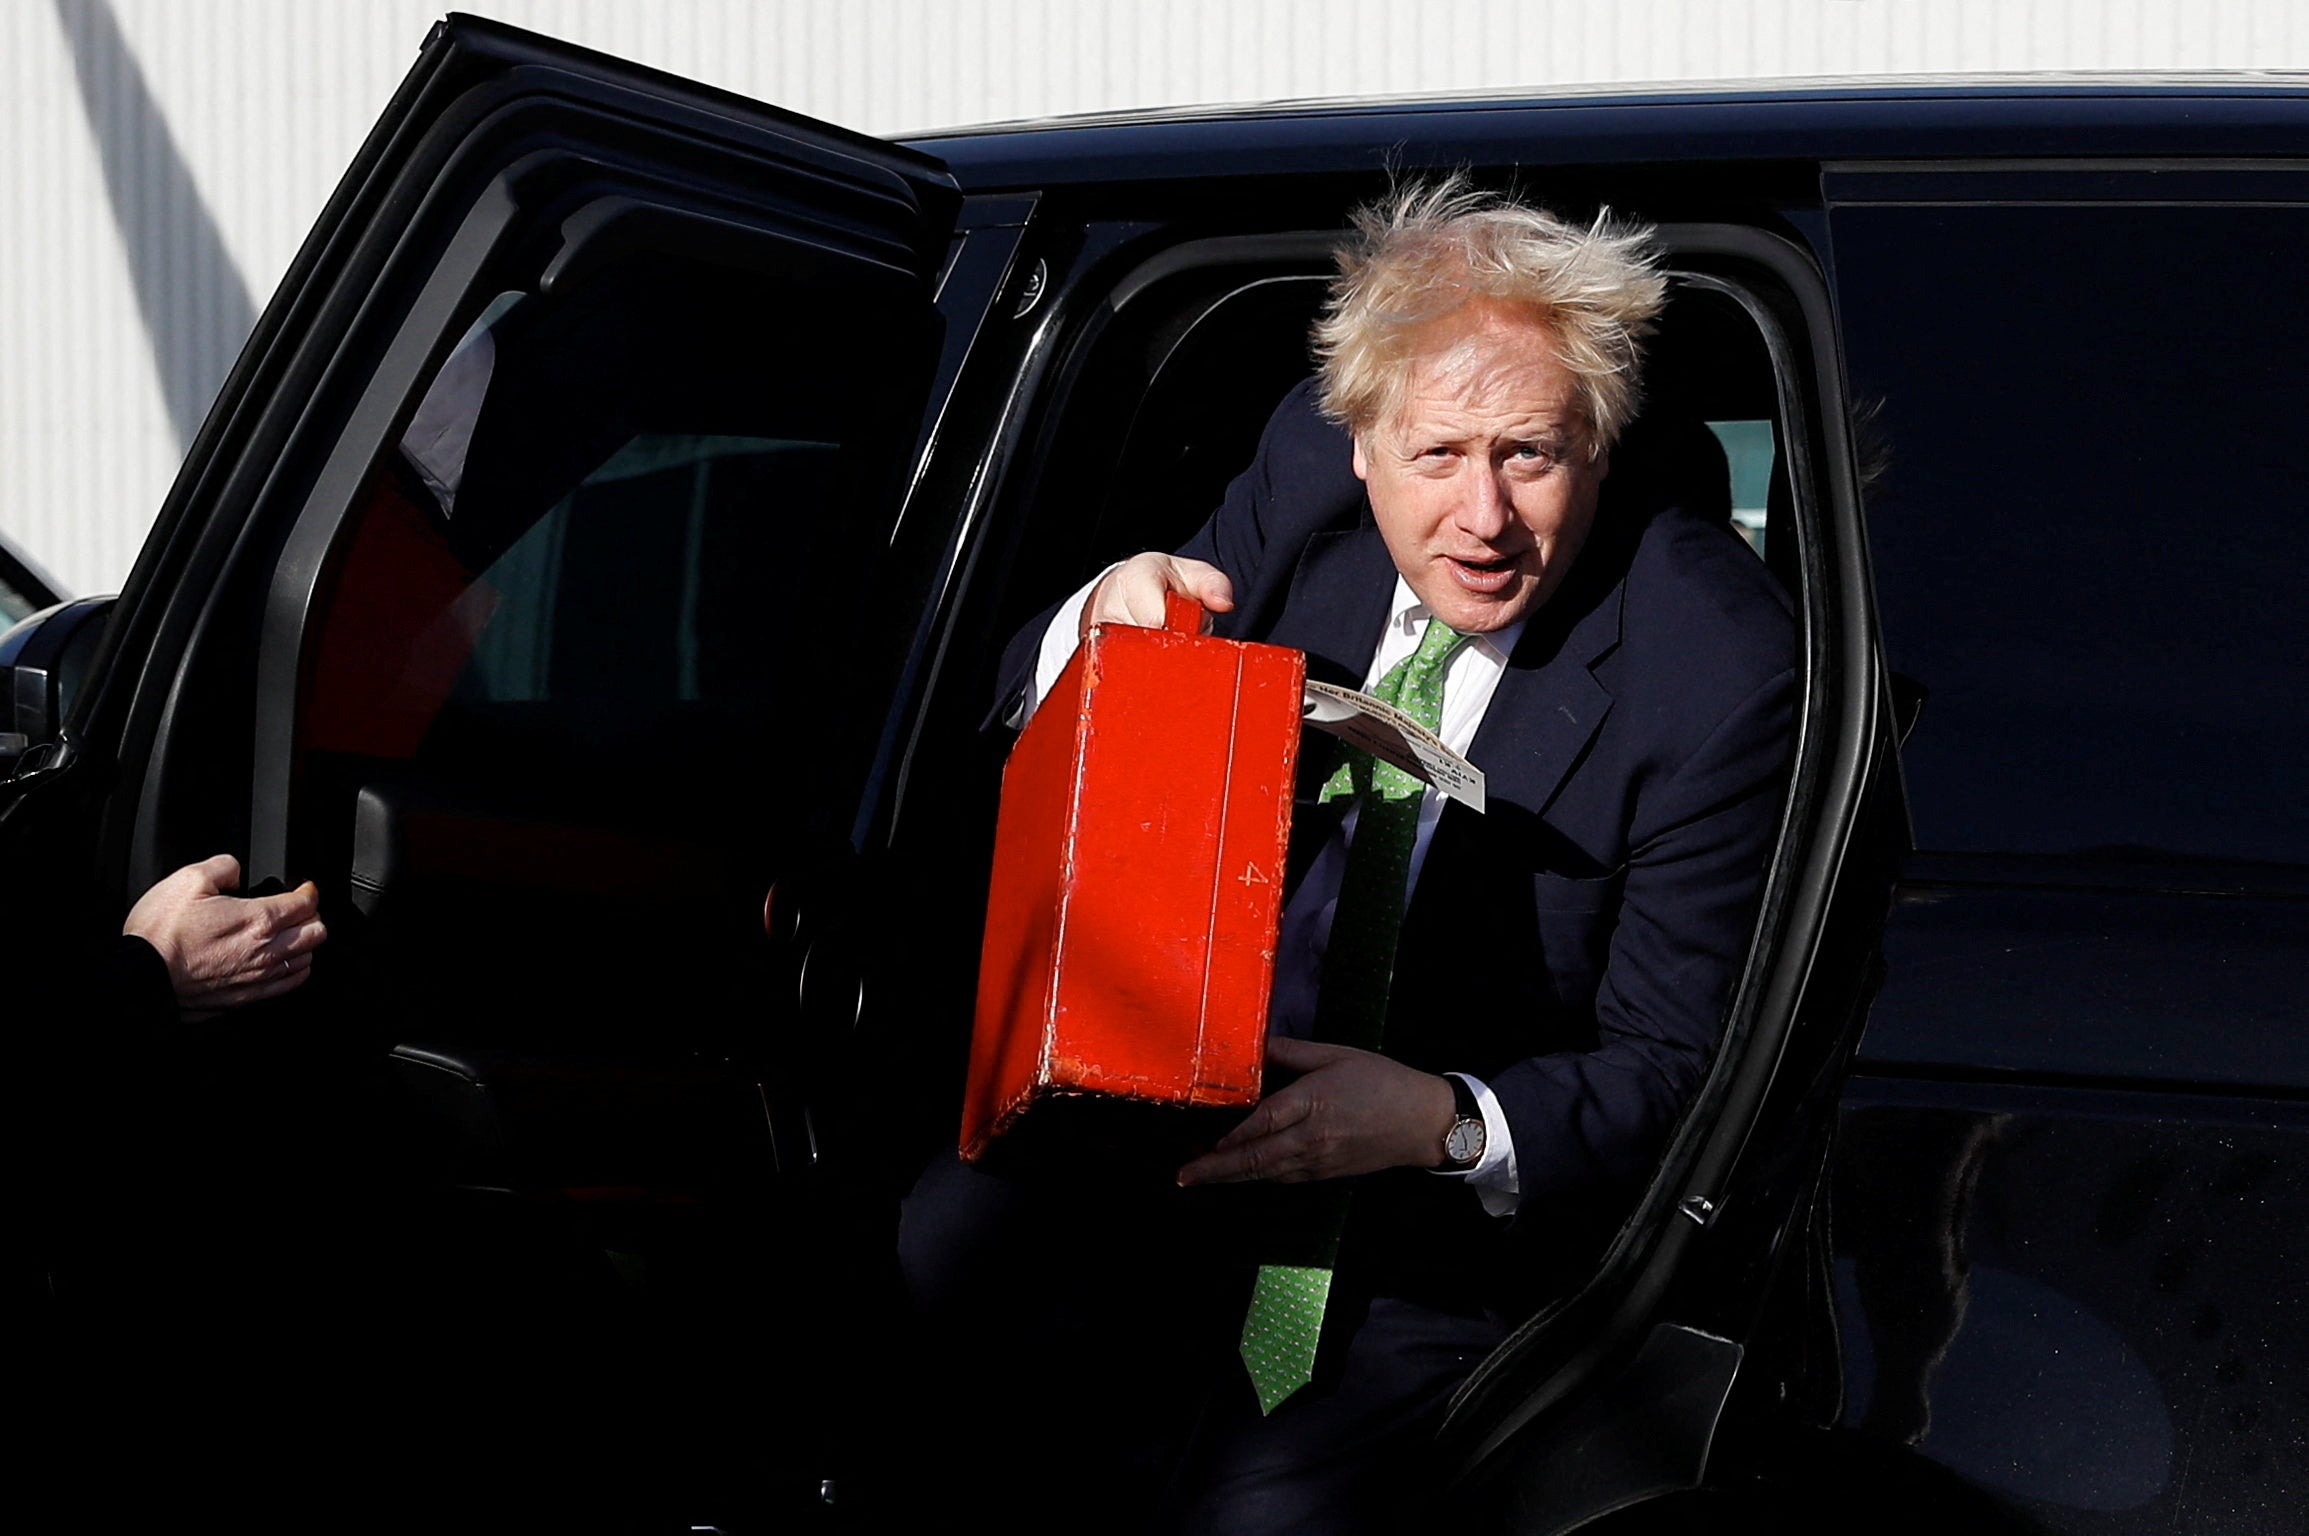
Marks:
<point>43,661</point>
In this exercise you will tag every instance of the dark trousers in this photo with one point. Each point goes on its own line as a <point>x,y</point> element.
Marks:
<point>1077,1364</point>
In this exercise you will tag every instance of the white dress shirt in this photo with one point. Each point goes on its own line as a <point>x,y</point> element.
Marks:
<point>1469,679</point>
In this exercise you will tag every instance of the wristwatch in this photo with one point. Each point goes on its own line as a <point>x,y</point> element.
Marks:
<point>1463,1142</point>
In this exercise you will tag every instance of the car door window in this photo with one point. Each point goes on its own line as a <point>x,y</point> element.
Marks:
<point>589,662</point>
<point>2087,538</point>
<point>2088,557</point>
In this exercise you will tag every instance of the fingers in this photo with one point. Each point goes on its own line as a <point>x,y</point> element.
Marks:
<point>1277,1112</point>
<point>1349,1112</point>
<point>287,972</point>
<point>222,872</point>
<point>284,978</point>
<point>290,927</point>
<point>290,908</point>
<point>1274,1141</point>
<point>297,926</point>
<point>301,940</point>
<point>290,947</point>
<point>1133,592</point>
<point>1303,1055</point>
<point>1239,1165</point>
<point>1206,584</point>
<point>263,975</point>
<point>265,970</point>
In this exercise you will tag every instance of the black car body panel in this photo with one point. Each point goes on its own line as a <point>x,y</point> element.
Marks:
<point>1990,1209</point>
<point>1992,121</point>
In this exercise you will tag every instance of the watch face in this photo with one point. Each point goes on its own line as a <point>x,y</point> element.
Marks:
<point>1463,1143</point>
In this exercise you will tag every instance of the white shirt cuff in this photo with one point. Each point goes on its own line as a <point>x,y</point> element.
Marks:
<point>1493,1175</point>
<point>1058,643</point>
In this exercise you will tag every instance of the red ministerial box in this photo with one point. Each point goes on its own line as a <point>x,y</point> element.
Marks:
<point>1138,875</point>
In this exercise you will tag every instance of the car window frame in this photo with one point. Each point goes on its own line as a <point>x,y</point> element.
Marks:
<point>1780,1025</point>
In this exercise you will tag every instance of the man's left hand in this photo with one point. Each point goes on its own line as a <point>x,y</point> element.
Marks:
<point>1349,1112</point>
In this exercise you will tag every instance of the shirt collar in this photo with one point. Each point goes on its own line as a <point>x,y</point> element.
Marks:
<point>1406,615</point>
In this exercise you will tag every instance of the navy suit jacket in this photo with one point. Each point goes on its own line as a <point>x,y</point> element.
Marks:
<point>1575,946</point>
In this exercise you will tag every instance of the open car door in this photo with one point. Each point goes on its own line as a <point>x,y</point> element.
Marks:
<point>1610,1398</point>
<point>531,589</point>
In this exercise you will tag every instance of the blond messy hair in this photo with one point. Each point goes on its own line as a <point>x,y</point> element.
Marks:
<point>1428,248</point>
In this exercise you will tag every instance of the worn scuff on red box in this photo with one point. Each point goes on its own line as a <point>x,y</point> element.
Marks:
<point>1138,874</point>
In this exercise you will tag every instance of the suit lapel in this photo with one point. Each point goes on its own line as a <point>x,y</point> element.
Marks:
<point>1548,703</point>
<point>1340,594</point>
<point>1546,709</point>
<point>1339,598</point>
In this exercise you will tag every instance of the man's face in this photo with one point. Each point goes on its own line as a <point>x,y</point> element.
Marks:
<point>1481,483</point>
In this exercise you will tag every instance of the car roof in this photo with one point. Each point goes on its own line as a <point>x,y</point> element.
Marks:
<point>2255,114</point>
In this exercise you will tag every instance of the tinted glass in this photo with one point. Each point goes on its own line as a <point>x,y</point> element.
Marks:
<point>14,605</point>
<point>609,638</point>
<point>22,591</point>
<point>1749,451</point>
<point>2089,532</point>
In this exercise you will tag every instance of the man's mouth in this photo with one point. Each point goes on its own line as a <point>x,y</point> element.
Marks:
<point>1485,578</point>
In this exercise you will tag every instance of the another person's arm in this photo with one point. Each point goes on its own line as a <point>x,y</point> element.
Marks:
<point>221,950</point>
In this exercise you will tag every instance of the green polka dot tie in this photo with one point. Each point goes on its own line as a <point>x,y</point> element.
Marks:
<point>1285,1320</point>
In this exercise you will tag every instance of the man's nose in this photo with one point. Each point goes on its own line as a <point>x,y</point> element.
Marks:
<point>1484,510</point>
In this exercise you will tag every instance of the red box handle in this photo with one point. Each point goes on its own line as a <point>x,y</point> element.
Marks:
<point>1182,615</point>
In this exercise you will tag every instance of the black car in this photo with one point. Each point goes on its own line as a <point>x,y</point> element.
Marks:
<point>596,396</point>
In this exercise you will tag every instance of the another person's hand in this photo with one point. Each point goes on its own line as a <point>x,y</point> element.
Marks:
<point>1132,593</point>
<point>1350,1112</point>
<point>223,951</point>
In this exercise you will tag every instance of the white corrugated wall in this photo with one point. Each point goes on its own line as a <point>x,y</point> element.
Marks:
<point>165,157</point>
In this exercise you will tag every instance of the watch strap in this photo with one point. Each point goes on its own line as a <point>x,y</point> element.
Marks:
<point>1464,1105</point>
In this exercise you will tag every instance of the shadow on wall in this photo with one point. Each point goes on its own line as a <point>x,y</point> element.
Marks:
<point>195,303</point>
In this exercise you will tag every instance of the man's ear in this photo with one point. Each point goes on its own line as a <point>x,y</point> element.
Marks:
<point>1603,464</point>
<point>1362,465</point>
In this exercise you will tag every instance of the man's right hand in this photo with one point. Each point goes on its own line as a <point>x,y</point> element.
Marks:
<point>1133,592</point>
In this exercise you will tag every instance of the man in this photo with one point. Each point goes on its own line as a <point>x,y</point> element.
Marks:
<point>1521,1001</point>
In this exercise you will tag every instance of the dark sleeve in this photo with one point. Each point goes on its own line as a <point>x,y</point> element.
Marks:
<point>87,997</point>
<point>1301,481</point>
<point>132,982</point>
<point>91,1018</point>
<point>1589,1120</point>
